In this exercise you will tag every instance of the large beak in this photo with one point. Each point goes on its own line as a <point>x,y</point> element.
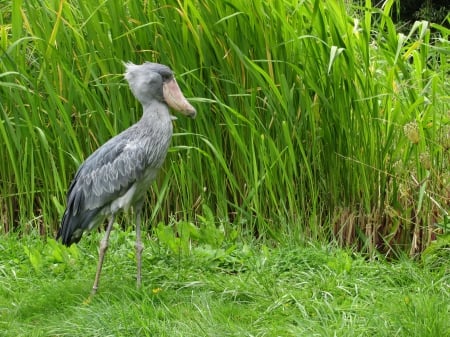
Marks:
<point>175,99</point>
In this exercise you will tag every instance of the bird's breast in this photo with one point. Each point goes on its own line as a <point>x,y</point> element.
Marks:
<point>135,193</point>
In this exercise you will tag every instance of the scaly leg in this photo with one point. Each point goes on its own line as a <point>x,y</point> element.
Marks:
<point>139,246</point>
<point>103,248</point>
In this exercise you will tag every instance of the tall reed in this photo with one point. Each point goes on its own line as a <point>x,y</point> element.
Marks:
<point>316,119</point>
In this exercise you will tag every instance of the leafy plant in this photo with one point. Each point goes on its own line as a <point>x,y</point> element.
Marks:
<point>317,120</point>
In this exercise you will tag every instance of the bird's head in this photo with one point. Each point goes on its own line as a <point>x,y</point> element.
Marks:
<point>153,81</point>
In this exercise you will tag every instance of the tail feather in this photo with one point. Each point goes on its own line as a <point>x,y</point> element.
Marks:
<point>73,226</point>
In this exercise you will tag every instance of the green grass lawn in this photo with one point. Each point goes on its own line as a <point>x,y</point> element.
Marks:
<point>236,290</point>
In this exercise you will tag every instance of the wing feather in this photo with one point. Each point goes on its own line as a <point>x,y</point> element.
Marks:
<point>110,171</point>
<point>108,174</point>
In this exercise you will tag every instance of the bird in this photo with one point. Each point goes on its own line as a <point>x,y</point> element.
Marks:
<point>117,175</point>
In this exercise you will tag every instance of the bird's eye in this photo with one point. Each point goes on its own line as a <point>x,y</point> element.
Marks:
<point>165,77</point>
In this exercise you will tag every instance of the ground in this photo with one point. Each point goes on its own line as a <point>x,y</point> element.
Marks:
<point>238,290</point>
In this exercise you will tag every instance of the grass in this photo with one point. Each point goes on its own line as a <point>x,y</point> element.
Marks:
<point>237,289</point>
<point>317,120</point>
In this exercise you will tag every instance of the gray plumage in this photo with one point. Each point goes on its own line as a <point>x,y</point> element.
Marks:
<point>119,173</point>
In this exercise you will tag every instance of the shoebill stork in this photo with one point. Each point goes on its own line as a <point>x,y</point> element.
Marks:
<point>118,174</point>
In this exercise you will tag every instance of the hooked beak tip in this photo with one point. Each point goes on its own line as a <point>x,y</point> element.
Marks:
<point>191,113</point>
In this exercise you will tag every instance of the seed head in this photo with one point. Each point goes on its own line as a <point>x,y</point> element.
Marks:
<point>411,131</point>
<point>425,160</point>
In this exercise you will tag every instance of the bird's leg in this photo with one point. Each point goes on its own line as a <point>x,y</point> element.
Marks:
<point>139,246</point>
<point>103,248</point>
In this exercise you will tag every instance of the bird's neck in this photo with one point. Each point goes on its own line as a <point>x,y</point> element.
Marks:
<point>155,112</point>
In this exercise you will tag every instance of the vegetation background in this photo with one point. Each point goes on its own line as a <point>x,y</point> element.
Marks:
<point>316,120</point>
<point>406,12</point>
<point>321,147</point>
